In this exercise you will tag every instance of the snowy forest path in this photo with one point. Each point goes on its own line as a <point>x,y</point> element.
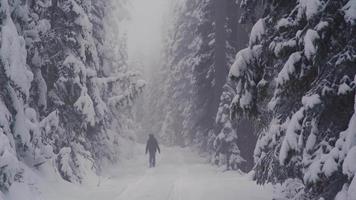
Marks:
<point>179,175</point>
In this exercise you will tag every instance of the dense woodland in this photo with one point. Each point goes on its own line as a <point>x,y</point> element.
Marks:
<point>271,82</point>
<point>65,88</point>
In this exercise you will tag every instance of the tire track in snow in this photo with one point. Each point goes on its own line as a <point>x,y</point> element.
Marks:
<point>163,182</point>
<point>176,193</point>
<point>180,175</point>
<point>130,187</point>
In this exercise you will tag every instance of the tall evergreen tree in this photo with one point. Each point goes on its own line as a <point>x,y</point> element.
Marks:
<point>61,90</point>
<point>196,67</point>
<point>296,81</point>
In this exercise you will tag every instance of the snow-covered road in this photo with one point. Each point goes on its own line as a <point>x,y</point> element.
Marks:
<point>180,175</point>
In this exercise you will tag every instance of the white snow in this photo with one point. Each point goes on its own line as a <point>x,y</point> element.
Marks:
<point>77,66</point>
<point>285,23</point>
<point>13,52</point>
<point>310,47</point>
<point>180,174</point>
<point>243,59</point>
<point>321,26</point>
<point>245,100</point>
<point>350,12</point>
<point>279,47</point>
<point>342,155</point>
<point>289,189</point>
<point>5,117</point>
<point>310,142</point>
<point>257,32</point>
<point>44,25</point>
<point>64,165</point>
<point>42,88</point>
<point>50,122</point>
<point>290,141</point>
<point>342,195</point>
<point>348,192</point>
<point>245,62</point>
<point>311,175</point>
<point>288,69</point>
<point>311,101</point>
<point>349,166</point>
<point>85,106</point>
<point>269,137</point>
<point>82,19</point>
<point>309,8</point>
<point>9,164</point>
<point>344,89</point>
<point>352,192</point>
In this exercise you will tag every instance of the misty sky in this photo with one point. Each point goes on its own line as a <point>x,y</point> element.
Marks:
<point>145,29</point>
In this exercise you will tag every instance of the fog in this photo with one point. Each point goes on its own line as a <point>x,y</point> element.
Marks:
<point>145,32</point>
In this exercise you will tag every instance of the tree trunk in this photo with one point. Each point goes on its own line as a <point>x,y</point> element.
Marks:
<point>221,68</point>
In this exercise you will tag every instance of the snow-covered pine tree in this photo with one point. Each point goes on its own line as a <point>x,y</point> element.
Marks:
<point>118,86</point>
<point>23,134</point>
<point>91,84</point>
<point>189,72</point>
<point>57,83</point>
<point>204,79</point>
<point>21,130</point>
<point>227,134</point>
<point>172,115</point>
<point>221,37</point>
<point>182,47</point>
<point>192,77</point>
<point>236,36</point>
<point>72,67</point>
<point>296,80</point>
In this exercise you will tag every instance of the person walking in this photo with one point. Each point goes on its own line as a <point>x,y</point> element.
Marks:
<point>151,148</point>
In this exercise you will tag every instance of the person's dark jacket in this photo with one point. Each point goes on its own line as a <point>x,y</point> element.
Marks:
<point>152,146</point>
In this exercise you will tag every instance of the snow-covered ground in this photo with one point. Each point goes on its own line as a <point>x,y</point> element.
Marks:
<point>180,174</point>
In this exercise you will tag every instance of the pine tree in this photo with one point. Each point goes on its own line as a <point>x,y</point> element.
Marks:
<point>194,78</point>
<point>180,90</point>
<point>60,89</point>
<point>235,40</point>
<point>296,81</point>
<point>173,83</point>
<point>16,141</point>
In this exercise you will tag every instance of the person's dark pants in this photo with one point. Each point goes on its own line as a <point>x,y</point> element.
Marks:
<point>152,159</point>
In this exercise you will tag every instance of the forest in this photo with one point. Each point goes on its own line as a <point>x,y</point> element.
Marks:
<point>248,99</point>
